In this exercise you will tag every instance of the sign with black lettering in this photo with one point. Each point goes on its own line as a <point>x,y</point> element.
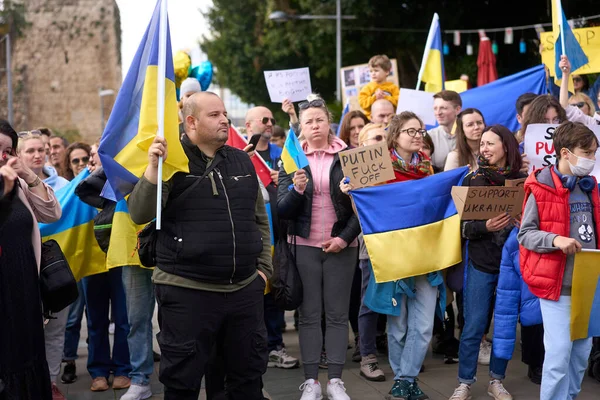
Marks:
<point>367,166</point>
<point>485,202</point>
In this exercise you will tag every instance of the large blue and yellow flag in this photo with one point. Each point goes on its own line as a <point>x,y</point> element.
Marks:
<point>133,123</point>
<point>411,228</point>
<point>432,66</point>
<point>74,232</point>
<point>122,248</point>
<point>572,48</point>
<point>585,295</point>
<point>293,156</point>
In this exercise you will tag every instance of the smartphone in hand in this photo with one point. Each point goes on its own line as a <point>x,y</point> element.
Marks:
<point>254,140</point>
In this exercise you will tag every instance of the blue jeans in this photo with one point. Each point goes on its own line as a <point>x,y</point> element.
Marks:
<point>73,330</point>
<point>139,293</point>
<point>410,333</point>
<point>367,319</point>
<point>478,292</point>
<point>99,290</point>
<point>565,361</point>
<point>274,320</point>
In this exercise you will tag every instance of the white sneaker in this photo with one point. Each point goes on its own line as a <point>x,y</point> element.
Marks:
<point>281,359</point>
<point>497,391</point>
<point>336,390</point>
<point>137,392</point>
<point>485,353</point>
<point>462,392</point>
<point>311,390</point>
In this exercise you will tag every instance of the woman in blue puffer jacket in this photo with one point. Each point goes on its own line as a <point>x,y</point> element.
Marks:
<point>515,302</point>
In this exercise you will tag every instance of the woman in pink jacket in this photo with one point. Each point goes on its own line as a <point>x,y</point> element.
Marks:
<point>24,201</point>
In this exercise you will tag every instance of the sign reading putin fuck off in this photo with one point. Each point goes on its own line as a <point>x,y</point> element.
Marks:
<point>367,166</point>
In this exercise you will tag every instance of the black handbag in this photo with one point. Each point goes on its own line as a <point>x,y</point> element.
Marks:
<point>146,246</point>
<point>58,286</point>
<point>286,284</point>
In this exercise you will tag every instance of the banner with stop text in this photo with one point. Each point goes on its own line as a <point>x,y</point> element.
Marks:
<point>540,149</point>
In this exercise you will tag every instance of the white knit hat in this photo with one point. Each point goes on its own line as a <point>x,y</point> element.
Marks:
<point>190,85</point>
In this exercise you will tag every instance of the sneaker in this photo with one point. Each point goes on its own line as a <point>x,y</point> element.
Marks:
<point>137,392</point>
<point>311,390</point>
<point>121,382</point>
<point>497,391</point>
<point>323,360</point>
<point>56,393</point>
<point>400,390</point>
<point>356,354</point>
<point>281,359</point>
<point>99,384</point>
<point>462,392</point>
<point>336,390</point>
<point>416,393</point>
<point>69,373</point>
<point>369,369</point>
<point>485,353</point>
<point>535,375</point>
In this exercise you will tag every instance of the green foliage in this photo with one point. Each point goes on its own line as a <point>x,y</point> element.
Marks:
<point>12,18</point>
<point>244,42</point>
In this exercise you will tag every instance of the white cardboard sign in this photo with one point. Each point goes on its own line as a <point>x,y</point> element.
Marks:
<point>540,149</point>
<point>292,84</point>
<point>419,102</point>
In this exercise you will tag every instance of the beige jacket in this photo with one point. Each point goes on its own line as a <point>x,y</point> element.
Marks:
<point>41,210</point>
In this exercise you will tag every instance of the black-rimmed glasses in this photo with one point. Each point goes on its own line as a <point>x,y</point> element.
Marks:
<point>84,160</point>
<point>412,132</point>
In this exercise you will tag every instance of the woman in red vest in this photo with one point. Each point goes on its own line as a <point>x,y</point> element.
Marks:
<point>498,161</point>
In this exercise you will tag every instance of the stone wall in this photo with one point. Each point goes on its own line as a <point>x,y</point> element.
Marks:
<point>69,51</point>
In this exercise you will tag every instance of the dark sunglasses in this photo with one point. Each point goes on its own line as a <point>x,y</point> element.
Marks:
<point>35,132</point>
<point>308,104</point>
<point>84,160</point>
<point>412,132</point>
<point>378,138</point>
<point>579,105</point>
<point>264,120</point>
<point>577,79</point>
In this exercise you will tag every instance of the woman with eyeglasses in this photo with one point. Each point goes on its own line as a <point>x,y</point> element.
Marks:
<point>574,114</point>
<point>77,157</point>
<point>325,228</point>
<point>469,127</point>
<point>24,201</point>
<point>499,160</point>
<point>583,102</point>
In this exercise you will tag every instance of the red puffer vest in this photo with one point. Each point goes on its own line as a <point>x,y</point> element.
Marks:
<point>543,272</point>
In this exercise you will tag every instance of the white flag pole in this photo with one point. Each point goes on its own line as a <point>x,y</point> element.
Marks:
<point>160,106</point>
<point>561,27</point>
<point>430,37</point>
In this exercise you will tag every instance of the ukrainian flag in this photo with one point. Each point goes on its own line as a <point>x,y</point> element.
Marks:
<point>133,123</point>
<point>432,66</point>
<point>293,156</point>
<point>411,228</point>
<point>565,38</point>
<point>74,232</point>
<point>585,295</point>
<point>122,249</point>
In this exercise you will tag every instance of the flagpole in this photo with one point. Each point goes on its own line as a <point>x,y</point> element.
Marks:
<point>160,107</point>
<point>561,27</point>
<point>428,44</point>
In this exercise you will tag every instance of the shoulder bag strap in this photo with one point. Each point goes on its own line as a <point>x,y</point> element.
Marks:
<point>187,191</point>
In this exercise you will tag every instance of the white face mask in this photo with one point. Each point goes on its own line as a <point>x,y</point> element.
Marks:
<point>584,165</point>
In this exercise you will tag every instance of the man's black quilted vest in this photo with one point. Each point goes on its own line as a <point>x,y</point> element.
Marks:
<point>212,235</point>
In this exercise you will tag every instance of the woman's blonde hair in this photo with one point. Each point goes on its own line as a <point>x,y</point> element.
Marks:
<point>582,97</point>
<point>24,138</point>
<point>363,135</point>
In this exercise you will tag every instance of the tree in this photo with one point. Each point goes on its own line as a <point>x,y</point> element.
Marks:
<point>245,42</point>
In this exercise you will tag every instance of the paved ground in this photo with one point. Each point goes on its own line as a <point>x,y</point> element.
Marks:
<point>438,380</point>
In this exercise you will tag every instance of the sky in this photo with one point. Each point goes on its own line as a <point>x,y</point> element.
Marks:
<point>186,22</point>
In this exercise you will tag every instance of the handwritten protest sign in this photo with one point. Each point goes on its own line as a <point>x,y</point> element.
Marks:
<point>367,166</point>
<point>485,202</point>
<point>419,102</point>
<point>293,84</point>
<point>540,150</point>
<point>588,38</point>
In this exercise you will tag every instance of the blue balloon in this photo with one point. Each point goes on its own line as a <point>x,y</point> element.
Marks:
<point>204,74</point>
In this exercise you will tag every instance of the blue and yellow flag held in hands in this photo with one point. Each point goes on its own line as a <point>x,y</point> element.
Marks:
<point>133,123</point>
<point>585,295</point>
<point>411,228</point>
<point>122,248</point>
<point>74,232</point>
<point>293,156</point>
